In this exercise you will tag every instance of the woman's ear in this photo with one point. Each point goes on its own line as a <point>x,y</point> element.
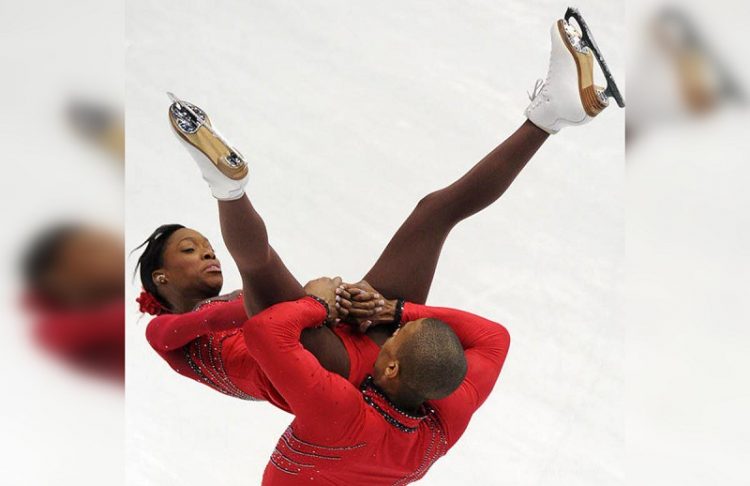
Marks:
<point>159,277</point>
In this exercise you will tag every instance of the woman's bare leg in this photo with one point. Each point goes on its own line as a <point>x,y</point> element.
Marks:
<point>407,265</point>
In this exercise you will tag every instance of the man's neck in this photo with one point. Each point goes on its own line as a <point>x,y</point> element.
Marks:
<point>379,334</point>
<point>405,400</point>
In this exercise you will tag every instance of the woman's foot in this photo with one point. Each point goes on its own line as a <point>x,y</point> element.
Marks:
<point>223,166</point>
<point>568,96</point>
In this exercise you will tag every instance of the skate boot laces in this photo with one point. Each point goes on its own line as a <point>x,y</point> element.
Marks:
<point>537,89</point>
<point>538,94</point>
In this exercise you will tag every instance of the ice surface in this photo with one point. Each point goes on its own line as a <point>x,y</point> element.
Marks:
<point>349,112</point>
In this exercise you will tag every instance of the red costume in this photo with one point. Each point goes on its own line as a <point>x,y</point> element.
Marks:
<point>347,435</point>
<point>208,346</point>
<point>342,434</point>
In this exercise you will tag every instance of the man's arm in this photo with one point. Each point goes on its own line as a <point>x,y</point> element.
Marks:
<point>327,407</point>
<point>169,332</point>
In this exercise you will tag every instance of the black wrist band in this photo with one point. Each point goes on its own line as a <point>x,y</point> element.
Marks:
<point>399,312</point>
<point>323,303</point>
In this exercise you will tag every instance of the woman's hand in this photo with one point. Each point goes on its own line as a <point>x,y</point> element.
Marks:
<point>363,306</point>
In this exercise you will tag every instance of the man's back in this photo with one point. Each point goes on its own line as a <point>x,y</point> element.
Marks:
<point>386,448</point>
<point>345,435</point>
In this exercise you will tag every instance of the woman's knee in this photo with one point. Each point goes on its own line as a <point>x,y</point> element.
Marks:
<point>433,202</point>
<point>437,207</point>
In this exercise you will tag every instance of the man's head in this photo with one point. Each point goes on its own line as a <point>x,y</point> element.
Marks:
<point>423,359</point>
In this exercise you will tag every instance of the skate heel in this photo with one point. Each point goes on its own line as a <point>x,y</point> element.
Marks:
<point>221,165</point>
<point>591,96</point>
<point>587,41</point>
<point>193,125</point>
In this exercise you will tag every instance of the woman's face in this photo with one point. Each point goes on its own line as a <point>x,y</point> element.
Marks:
<point>190,265</point>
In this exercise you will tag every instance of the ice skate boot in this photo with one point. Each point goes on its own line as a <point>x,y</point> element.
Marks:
<point>569,96</point>
<point>223,166</point>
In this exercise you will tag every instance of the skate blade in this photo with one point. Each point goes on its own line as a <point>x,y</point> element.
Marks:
<point>201,135</point>
<point>588,40</point>
<point>592,103</point>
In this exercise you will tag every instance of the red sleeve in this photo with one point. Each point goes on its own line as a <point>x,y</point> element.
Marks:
<point>485,345</point>
<point>327,407</point>
<point>169,332</point>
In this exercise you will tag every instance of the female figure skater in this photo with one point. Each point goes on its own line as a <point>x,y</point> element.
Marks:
<point>203,339</point>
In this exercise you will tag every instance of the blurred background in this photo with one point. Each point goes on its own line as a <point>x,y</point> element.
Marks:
<point>680,404</point>
<point>687,243</point>
<point>63,271</point>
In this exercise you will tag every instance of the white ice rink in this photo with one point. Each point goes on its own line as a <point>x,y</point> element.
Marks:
<point>350,112</point>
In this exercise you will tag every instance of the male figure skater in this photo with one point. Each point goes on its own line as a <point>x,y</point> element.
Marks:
<point>385,432</point>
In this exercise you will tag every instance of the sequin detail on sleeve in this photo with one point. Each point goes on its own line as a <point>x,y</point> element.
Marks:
<point>204,358</point>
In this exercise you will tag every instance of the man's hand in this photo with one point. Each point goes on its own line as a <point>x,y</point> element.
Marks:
<point>324,288</point>
<point>362,305</point>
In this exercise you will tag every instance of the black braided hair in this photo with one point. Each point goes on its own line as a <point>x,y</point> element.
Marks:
<point>152,258</point>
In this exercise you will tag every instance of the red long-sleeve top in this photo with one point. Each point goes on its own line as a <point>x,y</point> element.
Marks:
<point>208,345</point>
<point>348,435</point>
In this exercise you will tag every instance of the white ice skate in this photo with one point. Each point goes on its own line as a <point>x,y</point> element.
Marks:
<point>569,96</point>
<point>223,166</point>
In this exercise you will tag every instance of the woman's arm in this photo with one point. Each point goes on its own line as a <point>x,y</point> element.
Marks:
<point>169,332</point>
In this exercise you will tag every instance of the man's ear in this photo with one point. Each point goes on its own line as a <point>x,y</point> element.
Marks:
<point>159,277</point>
<point>392,369</point>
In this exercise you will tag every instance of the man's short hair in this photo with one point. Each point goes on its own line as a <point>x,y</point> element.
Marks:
<point>432,361</point>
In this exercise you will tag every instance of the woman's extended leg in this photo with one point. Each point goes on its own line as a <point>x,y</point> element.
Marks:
<point>265,279</point>
<point>407,265</point>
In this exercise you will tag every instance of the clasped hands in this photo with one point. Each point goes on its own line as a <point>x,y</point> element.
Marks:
<point>357,304</point>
